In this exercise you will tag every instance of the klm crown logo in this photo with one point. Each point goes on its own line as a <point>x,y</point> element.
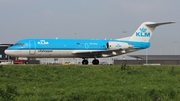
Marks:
<point>43,42</point>
<point>143,33</point>
<point>118,46</point>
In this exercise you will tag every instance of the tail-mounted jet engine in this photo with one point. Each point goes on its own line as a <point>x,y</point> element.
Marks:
<point>117,45</point>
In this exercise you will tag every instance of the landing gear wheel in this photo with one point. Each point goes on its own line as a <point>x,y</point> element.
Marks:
<point>85,62</point>
<point>95,62</point>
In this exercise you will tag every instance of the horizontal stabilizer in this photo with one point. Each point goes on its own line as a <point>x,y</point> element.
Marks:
<point>157,24</point>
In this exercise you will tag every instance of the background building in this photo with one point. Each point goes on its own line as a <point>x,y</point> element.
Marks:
<point>151,59</point>
<point>3,56</point>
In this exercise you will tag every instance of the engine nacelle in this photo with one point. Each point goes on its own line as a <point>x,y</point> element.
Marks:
<point>117,45</point>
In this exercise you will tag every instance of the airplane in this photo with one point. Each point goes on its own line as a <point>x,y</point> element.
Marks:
<point>84,48</point>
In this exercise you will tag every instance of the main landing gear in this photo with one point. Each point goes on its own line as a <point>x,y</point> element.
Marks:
<point>94,62</point>
<point>85,62</point>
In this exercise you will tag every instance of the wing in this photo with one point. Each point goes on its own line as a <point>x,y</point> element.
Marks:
<point>96,53</point>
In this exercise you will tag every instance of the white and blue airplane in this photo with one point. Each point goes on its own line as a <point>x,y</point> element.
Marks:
<point>84,48</point>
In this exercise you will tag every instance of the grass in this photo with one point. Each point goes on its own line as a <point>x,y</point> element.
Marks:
<point>89,83</point>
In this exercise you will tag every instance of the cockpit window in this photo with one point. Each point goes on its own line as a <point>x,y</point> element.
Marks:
<point>19,44</point>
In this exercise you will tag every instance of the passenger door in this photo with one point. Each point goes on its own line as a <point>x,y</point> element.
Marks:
<point>32,47</point>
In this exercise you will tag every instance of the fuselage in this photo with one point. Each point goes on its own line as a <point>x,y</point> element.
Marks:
<point>67,48</point>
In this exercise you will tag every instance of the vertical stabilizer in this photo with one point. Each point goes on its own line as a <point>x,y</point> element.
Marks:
<point>145,31</point>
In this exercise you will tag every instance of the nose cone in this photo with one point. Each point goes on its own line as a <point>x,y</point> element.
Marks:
<point>8,52</point>
<point>12,52</point>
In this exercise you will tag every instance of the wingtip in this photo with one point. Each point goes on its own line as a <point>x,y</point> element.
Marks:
<point>172,22</point>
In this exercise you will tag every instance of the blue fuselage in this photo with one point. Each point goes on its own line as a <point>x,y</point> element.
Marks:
<point>65,47</point>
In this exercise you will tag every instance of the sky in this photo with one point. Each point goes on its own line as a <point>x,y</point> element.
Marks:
<point>94,19</point>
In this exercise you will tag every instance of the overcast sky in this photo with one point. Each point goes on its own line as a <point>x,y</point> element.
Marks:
<point>94,19</point>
